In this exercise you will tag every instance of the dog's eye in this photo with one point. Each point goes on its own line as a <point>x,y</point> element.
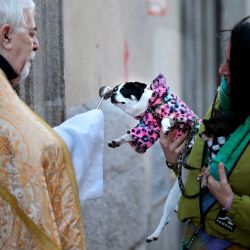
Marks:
<point>115,89</point>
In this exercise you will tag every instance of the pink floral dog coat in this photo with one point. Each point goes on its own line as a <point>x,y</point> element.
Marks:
<point>162,104</point>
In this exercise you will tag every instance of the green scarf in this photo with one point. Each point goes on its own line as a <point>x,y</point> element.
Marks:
<point>225,102</point>
<point>237,142</point>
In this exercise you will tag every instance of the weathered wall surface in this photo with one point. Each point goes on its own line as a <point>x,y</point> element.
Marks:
<point>85,44</point>
<point>108,42</point>
<point>44,91</point>
<point>113,41</point>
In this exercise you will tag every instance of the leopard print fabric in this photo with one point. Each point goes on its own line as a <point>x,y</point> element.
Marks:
<point>162,104</point>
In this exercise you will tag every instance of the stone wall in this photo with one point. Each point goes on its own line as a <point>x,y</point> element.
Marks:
<point>108,42</point>
<point>44,90</point>
<point>85,44</point>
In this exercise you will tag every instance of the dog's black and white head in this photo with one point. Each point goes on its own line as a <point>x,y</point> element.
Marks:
<point>217,126</point>
<point>131,97</point>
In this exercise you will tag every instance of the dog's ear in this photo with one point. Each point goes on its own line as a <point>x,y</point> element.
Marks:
<point>205,122</point>
<point>140,86</point>
<point>208,125</point>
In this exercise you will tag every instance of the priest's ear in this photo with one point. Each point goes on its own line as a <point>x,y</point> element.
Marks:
<point>5,36</point>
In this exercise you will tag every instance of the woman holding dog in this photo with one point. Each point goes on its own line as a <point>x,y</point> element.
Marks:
<point>219,216</point>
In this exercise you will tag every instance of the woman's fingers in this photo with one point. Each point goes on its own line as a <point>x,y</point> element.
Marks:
<point>179,143</point>
<point>221,189</point>
<point>172,145</point>
<point>222,173</point>
<point>169,138</point>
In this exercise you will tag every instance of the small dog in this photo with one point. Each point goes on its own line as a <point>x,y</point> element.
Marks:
<point>217,129</point>
<point>155,108</point>
<point>216,132</point>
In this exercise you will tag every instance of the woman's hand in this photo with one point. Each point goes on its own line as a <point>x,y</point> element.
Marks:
<point>221,189</point>
<point>172,146</point>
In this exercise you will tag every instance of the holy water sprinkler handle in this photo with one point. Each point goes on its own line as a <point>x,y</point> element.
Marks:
<point>105,93</point>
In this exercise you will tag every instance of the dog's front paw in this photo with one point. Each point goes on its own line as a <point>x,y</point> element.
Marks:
<point>114,144</point>
<point>167,124</point>
<point>165,130</point>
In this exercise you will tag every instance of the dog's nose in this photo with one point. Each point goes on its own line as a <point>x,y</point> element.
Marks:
<point>113,98</point>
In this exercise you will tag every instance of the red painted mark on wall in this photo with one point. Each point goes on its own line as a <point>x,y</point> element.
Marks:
<point>126,60</point>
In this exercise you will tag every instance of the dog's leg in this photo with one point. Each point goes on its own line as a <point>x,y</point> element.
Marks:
<point>167,123</point>
<point>170,205</point>
<point>119,141</point>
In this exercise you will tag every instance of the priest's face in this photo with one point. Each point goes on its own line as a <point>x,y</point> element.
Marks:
<point>22,46</point>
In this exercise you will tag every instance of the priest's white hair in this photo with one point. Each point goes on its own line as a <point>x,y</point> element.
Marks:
<point>12,12</point>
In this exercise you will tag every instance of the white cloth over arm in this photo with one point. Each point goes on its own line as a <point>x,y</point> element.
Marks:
<point>84,136</point>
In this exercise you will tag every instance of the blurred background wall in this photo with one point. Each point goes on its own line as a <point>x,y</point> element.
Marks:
<point>85,44</point>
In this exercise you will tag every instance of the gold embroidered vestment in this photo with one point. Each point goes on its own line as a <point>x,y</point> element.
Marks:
<point>39,206</point>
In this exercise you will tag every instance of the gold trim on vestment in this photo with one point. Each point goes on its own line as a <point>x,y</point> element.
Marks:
<point>39,201</point>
